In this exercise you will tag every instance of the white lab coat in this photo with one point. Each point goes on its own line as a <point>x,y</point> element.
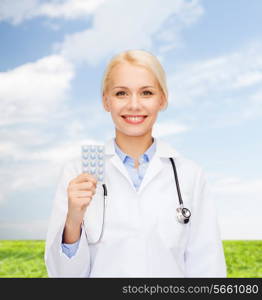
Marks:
<point>142,237</point>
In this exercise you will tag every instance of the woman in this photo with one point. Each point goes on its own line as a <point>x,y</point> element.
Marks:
<point>141,234</point>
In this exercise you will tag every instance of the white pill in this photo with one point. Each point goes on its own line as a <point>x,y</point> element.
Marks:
<point>85,155</point>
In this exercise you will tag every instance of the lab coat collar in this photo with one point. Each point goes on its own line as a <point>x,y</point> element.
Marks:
<point>163,150</point>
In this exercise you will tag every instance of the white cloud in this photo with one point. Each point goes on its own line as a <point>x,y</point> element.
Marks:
<point>17,11</point>
<point>32,155</point>
<point>241,228</point>
<point>239,188</point>
<point>25,176</point>
<point>70,9</point>
<point>32,158</point>
<point>57,153</point>
<point>165,128</point>
<point>34,90</point>
<point>248,79</point>
<point>120,25</point>
<point>19,230</point>
<point>239,205</point>
<point>27,170</point>
<point>169,32</point>
<point>202,81</point>
<point>254,106</point>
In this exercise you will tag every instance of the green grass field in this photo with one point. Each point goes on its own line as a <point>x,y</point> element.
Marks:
<point>25,259</point>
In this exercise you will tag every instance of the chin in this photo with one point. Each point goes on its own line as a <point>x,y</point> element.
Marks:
<point>134,133</point>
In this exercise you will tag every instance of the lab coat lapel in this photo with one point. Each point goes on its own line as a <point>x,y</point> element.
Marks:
<point>163,150</point>
<point>115,160</point>
<point>154,167</point>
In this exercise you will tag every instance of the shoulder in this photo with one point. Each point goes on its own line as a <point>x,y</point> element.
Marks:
<point>190,165</point>
<point>165,149</point>
<point>188,170</point>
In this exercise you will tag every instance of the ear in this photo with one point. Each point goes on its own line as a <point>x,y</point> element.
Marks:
<point>163,102</point>
<point>106,102</point>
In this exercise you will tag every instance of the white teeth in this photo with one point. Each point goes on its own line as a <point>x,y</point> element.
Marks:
<point>135,119</point>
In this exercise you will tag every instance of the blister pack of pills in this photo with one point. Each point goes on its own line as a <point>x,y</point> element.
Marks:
<point>93,161</point>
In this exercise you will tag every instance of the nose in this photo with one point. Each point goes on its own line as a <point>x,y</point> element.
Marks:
<point>134,102</point>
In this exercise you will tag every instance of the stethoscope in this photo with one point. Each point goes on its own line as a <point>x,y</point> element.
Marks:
<point>183,214</point>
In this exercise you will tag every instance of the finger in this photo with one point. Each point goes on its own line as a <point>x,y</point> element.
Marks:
<point>84,177</point>
<point>82,194</point>
<point>85,186</point>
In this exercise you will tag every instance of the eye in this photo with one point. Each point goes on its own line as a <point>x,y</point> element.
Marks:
<point>147,93</point>
<point>121,93</point>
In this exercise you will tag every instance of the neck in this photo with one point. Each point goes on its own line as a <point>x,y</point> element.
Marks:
<point>134,146</point>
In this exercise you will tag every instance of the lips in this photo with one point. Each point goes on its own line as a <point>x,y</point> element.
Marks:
<point>134,119</point>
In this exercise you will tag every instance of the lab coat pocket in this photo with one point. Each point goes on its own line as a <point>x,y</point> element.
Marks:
<point>94,216</point>
<point>173,233</point>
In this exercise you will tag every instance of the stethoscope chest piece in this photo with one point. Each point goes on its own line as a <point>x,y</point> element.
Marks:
<point>183,215</point>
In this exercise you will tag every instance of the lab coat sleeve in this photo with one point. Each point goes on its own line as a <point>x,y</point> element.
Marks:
<point>204,255</point>
<point>58,264</point>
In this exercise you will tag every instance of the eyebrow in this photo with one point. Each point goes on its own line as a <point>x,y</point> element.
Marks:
<point>143,87</point>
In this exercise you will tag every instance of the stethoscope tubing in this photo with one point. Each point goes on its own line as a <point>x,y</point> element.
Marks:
<point>177,182</point>
<point>105,193</point>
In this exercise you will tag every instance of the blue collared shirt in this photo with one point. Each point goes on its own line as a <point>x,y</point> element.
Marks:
<point>136,175</point>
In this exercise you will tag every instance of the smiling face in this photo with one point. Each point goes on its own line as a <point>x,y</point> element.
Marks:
<point>134,98</point>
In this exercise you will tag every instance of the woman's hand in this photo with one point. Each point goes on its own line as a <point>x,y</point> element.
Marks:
<point>80,192</point>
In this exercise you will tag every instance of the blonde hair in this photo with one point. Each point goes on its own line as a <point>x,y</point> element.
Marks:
<point>139,58</point>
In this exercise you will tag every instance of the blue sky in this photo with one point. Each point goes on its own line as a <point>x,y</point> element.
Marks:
<point>52,57</point>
